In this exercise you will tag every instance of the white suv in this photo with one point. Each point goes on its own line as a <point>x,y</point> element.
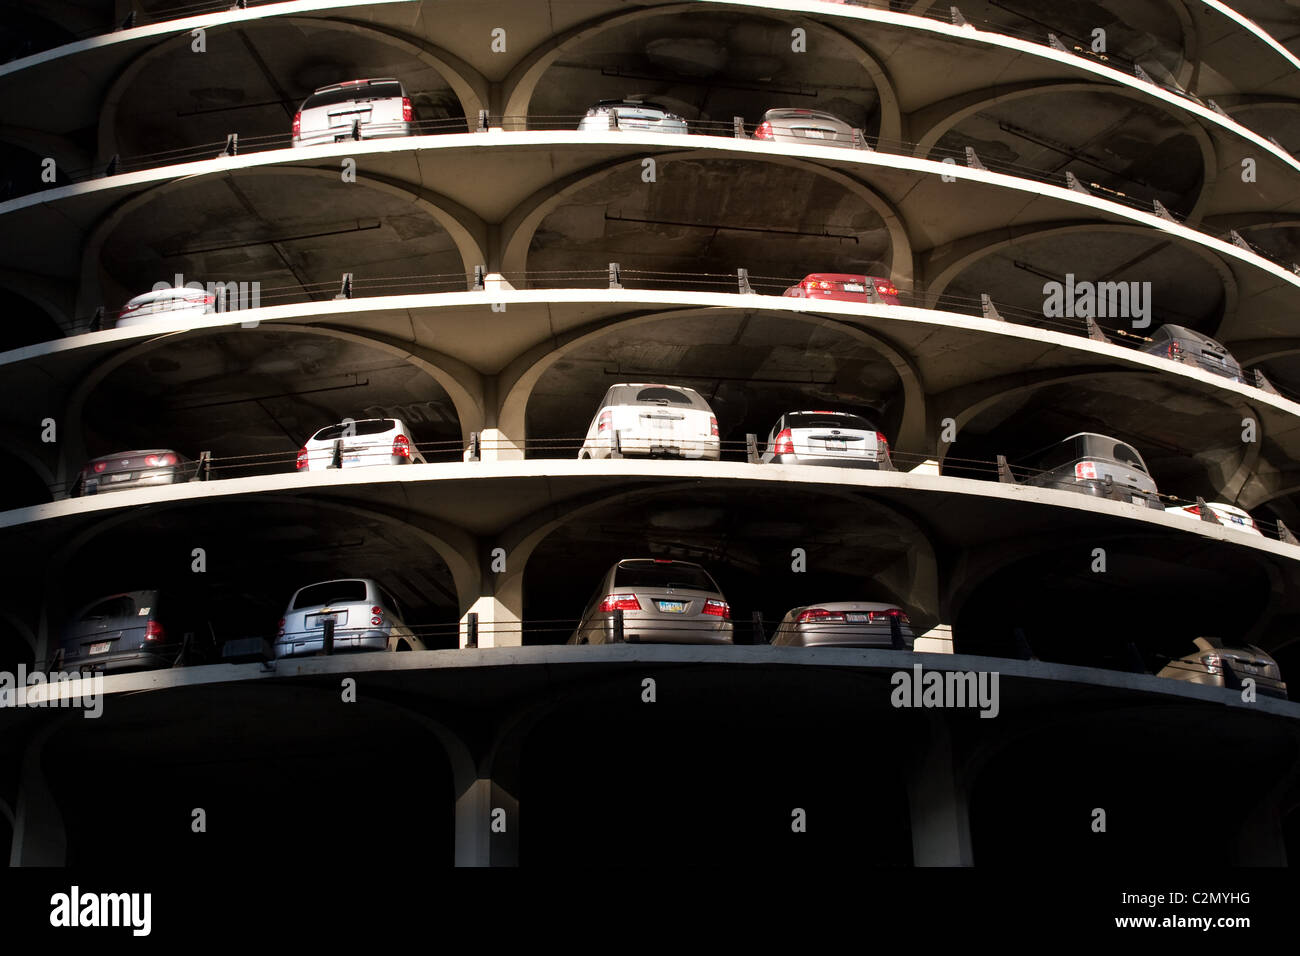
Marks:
<point>365,616</point>
<point>370,109</point>
<point>355,444</point>
<point>653,421</point>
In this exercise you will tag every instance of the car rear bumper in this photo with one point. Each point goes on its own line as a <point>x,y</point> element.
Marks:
<point>97,485</point>
<point>302,645</point>
<point>656,631</point>
<point>1263,685</point>
<point>668,448</point>
<point>831,461</point>
<point>116,662</point>
<point>841,635</point>
<point>341,133</point>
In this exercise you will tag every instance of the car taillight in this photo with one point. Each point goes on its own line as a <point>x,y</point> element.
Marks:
<point>1175,351</point>
<point>99,466</point>
<point>784,444</point>
<point>620,602</point>
<point>153,631</point>
<point>882,442</point>
<point>718,609</point>
<point>1212,661</point>
<point>764,131</point>
<point>156,461</point>
<point>280,628</point>
<point>820,614</point>
<point>713,426</point>
<point>407,114</point>
<point>884,288</point>
<point>1086,470</point>
<point>885,615</point>
<point>402,447</point>
<point>1193,510</point>
<point>302,459</point>
<point>605,420</point>
<point>297,123</point>
<point>376,615</point>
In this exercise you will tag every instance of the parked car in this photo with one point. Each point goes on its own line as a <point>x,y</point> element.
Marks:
<point>1093,464</point>
<point>135,630</point>
<point>360,109</point>
<point>1230,516</point>
<point>654,421</point>
<point>178,302</point>
<point>139,468</point>
<point>632,114</point>
<point>368,441</point>
<point>366,618</point>
<point>664,601</point>
<point>1221,664</point>
<point>845,624</point>
<point>1181,344</point>
<point>826,438</point>
<point>805,126</point>
<point>845,288</point>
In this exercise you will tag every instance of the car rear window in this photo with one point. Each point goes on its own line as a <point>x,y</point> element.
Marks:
<point>828,421</point>
<point>376,426</point>
<point>652,574</point>
<point>331,592</point>
<point>655,395</point>
<point>123,606</point>
<point>350,94</point>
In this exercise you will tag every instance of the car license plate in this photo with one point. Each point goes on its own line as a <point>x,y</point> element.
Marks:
<point>120,476</point>
<point>672,607</point>
<point>835,444</point>
<point>858,618</point>
<point>854,287</point>
<point>814,134</point>
<point>1236,520</point>
<point>99,648</point>
<point>1138,500</point>
<point>318,620</point>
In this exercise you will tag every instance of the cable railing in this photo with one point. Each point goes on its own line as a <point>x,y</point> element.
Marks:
<point>614,276</point>
<point>347,453</point>
<point>966,157</point>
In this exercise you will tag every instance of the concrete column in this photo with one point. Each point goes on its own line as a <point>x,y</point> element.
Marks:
<point>39,836</point>
<point>939,802</point>
<point>487,824</point>
<point>498,624</point>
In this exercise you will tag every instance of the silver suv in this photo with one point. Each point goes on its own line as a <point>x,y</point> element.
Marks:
<point>662,600</point>
<point>357,109</point>
<point>826,438</point>
<point>1179,344</point>
<point>365,618</point>
<point>1096,465</point>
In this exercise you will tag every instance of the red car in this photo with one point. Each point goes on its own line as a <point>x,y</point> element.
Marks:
<point>846,288</point>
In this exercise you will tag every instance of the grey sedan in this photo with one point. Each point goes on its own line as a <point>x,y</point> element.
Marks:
<point>139,468</point>
<point>1220,664</point>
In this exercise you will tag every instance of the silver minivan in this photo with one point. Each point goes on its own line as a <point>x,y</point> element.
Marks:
<point>1096,465</point>
<point>357,109</point>
<point>664,601</point>
<point>366,617</point>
